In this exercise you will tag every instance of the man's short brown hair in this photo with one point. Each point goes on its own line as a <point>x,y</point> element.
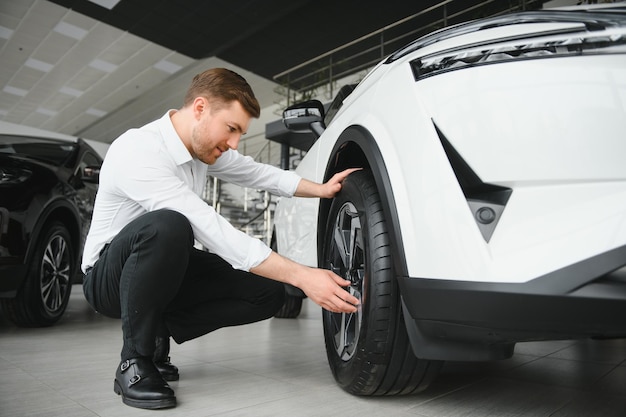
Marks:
<point>222,86</point>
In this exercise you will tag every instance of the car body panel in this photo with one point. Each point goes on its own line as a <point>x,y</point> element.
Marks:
<point>528,230</point>
<point>518,114</point>
<point>555,137</point>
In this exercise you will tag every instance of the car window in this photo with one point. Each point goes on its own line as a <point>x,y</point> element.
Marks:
<point>36,148</point>
<point>89,159</point>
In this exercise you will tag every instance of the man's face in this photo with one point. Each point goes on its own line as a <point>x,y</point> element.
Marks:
<point>218,130</point>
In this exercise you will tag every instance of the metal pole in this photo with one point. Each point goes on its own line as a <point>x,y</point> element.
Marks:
<point>284,156</point>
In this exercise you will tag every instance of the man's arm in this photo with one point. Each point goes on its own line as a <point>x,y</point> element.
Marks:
<point>320,285</point>
<point>308,188</point>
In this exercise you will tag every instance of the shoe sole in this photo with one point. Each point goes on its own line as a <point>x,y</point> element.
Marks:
<point>146,404</point>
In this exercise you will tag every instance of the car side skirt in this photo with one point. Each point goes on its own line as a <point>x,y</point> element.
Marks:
<point>587,299</point>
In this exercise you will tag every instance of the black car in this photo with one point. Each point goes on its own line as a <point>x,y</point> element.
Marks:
<point>47,192</point>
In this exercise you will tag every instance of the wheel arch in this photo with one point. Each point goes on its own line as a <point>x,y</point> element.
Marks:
<point>58,210</point>
<point>357,148</point>
<point>29,307</point>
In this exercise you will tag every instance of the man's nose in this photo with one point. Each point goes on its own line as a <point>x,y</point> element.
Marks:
<point>233,141</point>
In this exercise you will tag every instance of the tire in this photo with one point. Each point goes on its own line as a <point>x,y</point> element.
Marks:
<point>292,307</point>
<point>44,296</point>
<point>369,352</point>
<point>293,296</point>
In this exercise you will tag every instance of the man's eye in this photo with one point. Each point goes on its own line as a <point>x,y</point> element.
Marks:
<point>231,129</point>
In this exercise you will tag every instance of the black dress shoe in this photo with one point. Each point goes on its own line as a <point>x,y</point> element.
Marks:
<point>168,371</point>
<point>141,385</point>
<point>162,360</point>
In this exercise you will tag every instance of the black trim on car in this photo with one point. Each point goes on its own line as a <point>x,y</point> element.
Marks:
<point>465,320</point>
<point>57,209</point>
<point>356,147</point>
<point>471,184</point>
<point>485,201</point>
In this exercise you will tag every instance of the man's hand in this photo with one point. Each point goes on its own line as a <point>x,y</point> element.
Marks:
<point>329,189</point>
<point>324,287</point>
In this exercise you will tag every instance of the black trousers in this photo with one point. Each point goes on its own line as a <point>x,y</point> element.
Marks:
<point>153,278</point>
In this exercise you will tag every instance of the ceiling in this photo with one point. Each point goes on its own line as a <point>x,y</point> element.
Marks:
<point>266,36</point>
<point>97,67</point>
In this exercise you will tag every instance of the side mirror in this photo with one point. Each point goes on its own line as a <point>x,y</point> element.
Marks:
<point>91,174</point>
<point>305,117</point>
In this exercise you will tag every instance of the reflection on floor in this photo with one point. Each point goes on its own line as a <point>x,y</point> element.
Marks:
<point>278,368</point>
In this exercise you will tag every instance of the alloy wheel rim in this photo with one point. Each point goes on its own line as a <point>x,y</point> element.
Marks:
<point>55,274</point>
<point>347,259</point>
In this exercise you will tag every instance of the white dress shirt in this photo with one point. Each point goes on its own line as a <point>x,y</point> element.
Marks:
<point>149,168</point>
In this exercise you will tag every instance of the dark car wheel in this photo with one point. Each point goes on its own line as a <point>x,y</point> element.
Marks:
<point>292,307</point>
<point>293,296</point>
<point>43,298</point>
<point>369,352</point>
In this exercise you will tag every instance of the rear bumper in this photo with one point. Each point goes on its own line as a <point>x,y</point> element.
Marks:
<point>460,320</point>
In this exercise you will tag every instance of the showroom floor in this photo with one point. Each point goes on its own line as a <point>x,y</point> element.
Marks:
<point>278,368</point>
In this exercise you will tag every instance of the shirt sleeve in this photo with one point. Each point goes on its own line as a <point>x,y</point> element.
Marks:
<point>246,172</point>
<point>153,183</point>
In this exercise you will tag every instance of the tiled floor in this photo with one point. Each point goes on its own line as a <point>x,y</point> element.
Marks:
<point>278,368</point>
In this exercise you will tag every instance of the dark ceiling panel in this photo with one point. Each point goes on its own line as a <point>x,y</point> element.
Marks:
<point>265,37</point>
<point>198,29</point>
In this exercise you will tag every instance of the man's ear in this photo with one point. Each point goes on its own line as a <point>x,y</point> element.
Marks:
<point>199,105</point>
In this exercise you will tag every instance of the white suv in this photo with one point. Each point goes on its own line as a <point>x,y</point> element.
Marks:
<point>491,207</point>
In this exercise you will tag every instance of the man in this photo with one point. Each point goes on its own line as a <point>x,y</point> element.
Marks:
<point>140,262</point>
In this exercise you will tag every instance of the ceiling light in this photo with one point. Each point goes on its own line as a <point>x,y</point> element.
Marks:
<point>47,112</point>
<point>70,30</point>
<point>38,65</point>
<point>5,33</point>
<point>107,4</point>
<point>167,66</point>
<point>71,91</point>
<point>95,112</point>
<point>102,65</point>
<point>15,91</point>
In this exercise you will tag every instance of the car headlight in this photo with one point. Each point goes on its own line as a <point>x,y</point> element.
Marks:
<point>9,175</point>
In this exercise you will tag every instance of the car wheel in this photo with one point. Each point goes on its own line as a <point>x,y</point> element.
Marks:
<point>292,307</point>
<point>293,296</point>
<point>368,351</point>
<point>43,298</point>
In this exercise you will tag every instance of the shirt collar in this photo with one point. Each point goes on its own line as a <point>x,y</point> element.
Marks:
<point>172,141</point>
